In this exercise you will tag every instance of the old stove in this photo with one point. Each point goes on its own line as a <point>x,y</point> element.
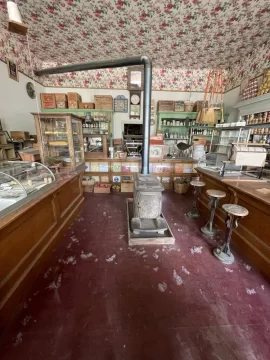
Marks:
<point>147,205</point>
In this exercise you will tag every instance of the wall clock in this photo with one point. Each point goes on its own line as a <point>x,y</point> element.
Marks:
<point>135,104</point>
<point>30,88</point>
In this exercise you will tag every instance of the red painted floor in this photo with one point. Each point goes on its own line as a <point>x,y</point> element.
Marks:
<point>99,299</point>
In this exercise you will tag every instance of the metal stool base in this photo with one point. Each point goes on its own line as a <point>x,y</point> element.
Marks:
<point>222,256</point>
<point>193,215</point>
<point>206,231</point>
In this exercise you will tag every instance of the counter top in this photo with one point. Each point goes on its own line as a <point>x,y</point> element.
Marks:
<point>244,184</point>
<point>29,203</point>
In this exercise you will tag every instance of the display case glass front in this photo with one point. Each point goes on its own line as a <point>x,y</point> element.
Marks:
<point>60,138</point>
<point>97,122</point>
<point>222,144</point>
<point>19,179</point>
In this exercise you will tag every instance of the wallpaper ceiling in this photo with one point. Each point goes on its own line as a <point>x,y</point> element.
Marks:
<point>185,38</point>
<point>175,33</point>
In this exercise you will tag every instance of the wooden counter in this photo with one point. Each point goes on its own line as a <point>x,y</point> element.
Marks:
<point>28,235</point>
<point>252,237</point>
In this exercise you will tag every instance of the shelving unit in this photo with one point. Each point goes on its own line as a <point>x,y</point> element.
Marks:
<point>167,170</point>
<point>255,105</point>
<point>187,130</point>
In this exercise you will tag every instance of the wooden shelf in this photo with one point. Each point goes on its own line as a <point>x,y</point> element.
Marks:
<point>255,105</point>
<point>261,125</point>
<point>71,111</point>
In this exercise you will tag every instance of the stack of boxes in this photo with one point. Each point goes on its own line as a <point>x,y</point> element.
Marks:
<point>73,100</point>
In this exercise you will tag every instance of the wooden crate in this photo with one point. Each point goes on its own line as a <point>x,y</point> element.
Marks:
<point>73,100</point>
<point>127,186</point>
<point>165,105</point>
<point>86,105</point>
<point>179,105</point>
<point>60,97</point>
<point>106,189</point>
<point>47,101</point>
<point>25,135</point>
<point>103,102</point>
<point>199,105</point>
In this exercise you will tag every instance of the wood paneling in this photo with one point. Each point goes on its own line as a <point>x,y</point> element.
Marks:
<point>30,238</point>
<point>252,237</point>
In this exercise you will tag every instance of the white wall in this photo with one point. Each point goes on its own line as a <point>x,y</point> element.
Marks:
<point>121,118</point>
<point>230,99</point>
<point>15,105</point>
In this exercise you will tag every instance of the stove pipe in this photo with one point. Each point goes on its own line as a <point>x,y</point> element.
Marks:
<point>129,61</point>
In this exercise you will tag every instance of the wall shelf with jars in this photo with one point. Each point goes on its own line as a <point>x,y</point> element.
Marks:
<point>259,125</point>
<point>181,127</point>
<point>98,122</point>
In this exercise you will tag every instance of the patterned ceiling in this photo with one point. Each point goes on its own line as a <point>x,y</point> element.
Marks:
<point>176,34</point>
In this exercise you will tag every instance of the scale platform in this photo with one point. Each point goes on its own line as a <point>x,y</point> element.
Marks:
<point>147,238</point>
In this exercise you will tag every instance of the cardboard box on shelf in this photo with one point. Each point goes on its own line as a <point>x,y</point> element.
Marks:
<point>47,101</point>
<point>60,97</point>
<point>103,102</point>
<point>25,135</point>
<point>127,186</point>
<point>102,188</point>
<point>73,100</point>
<point>86,105</point>
<point>117,141</point>
<point>165,105</point>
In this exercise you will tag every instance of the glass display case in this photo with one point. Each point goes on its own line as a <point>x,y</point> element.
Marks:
<point>224,137</point>
<point>95,146</point>
<point>98,122</point>
<point>19,179</point>
<point>61,139</point>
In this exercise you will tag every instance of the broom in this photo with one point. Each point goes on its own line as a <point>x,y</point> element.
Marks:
<point>210,116</point>
<point>221,100</point>
<point>201,113</point>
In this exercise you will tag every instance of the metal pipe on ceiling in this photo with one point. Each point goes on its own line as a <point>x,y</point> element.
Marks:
<point>129,61</point>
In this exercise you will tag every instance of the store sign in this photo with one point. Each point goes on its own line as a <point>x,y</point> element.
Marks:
<point>120,104</point>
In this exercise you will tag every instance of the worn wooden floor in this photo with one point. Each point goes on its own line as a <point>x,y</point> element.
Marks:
<point>99,299</point>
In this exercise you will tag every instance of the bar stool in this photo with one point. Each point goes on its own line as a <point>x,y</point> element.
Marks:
<point>215,195</point>
<point>234,212</point>
<point>194,213</point>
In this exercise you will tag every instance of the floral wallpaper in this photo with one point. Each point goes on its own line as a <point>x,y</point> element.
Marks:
<point>175,34</point>
<point>163,79</point>
<point>12,48</point>
<point>249,66</point>
<point>184,38</point>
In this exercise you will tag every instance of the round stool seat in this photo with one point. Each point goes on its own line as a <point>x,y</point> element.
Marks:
<point>197,183</point>
<point>216,193</point>
<point>236,210</point>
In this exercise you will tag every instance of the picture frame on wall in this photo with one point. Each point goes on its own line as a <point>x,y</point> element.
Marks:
<point>13,72</point>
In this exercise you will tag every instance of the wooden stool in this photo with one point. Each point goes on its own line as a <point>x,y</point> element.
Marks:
<point>234,212</point>
<point>214,195</point>
<point>194,213</point>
